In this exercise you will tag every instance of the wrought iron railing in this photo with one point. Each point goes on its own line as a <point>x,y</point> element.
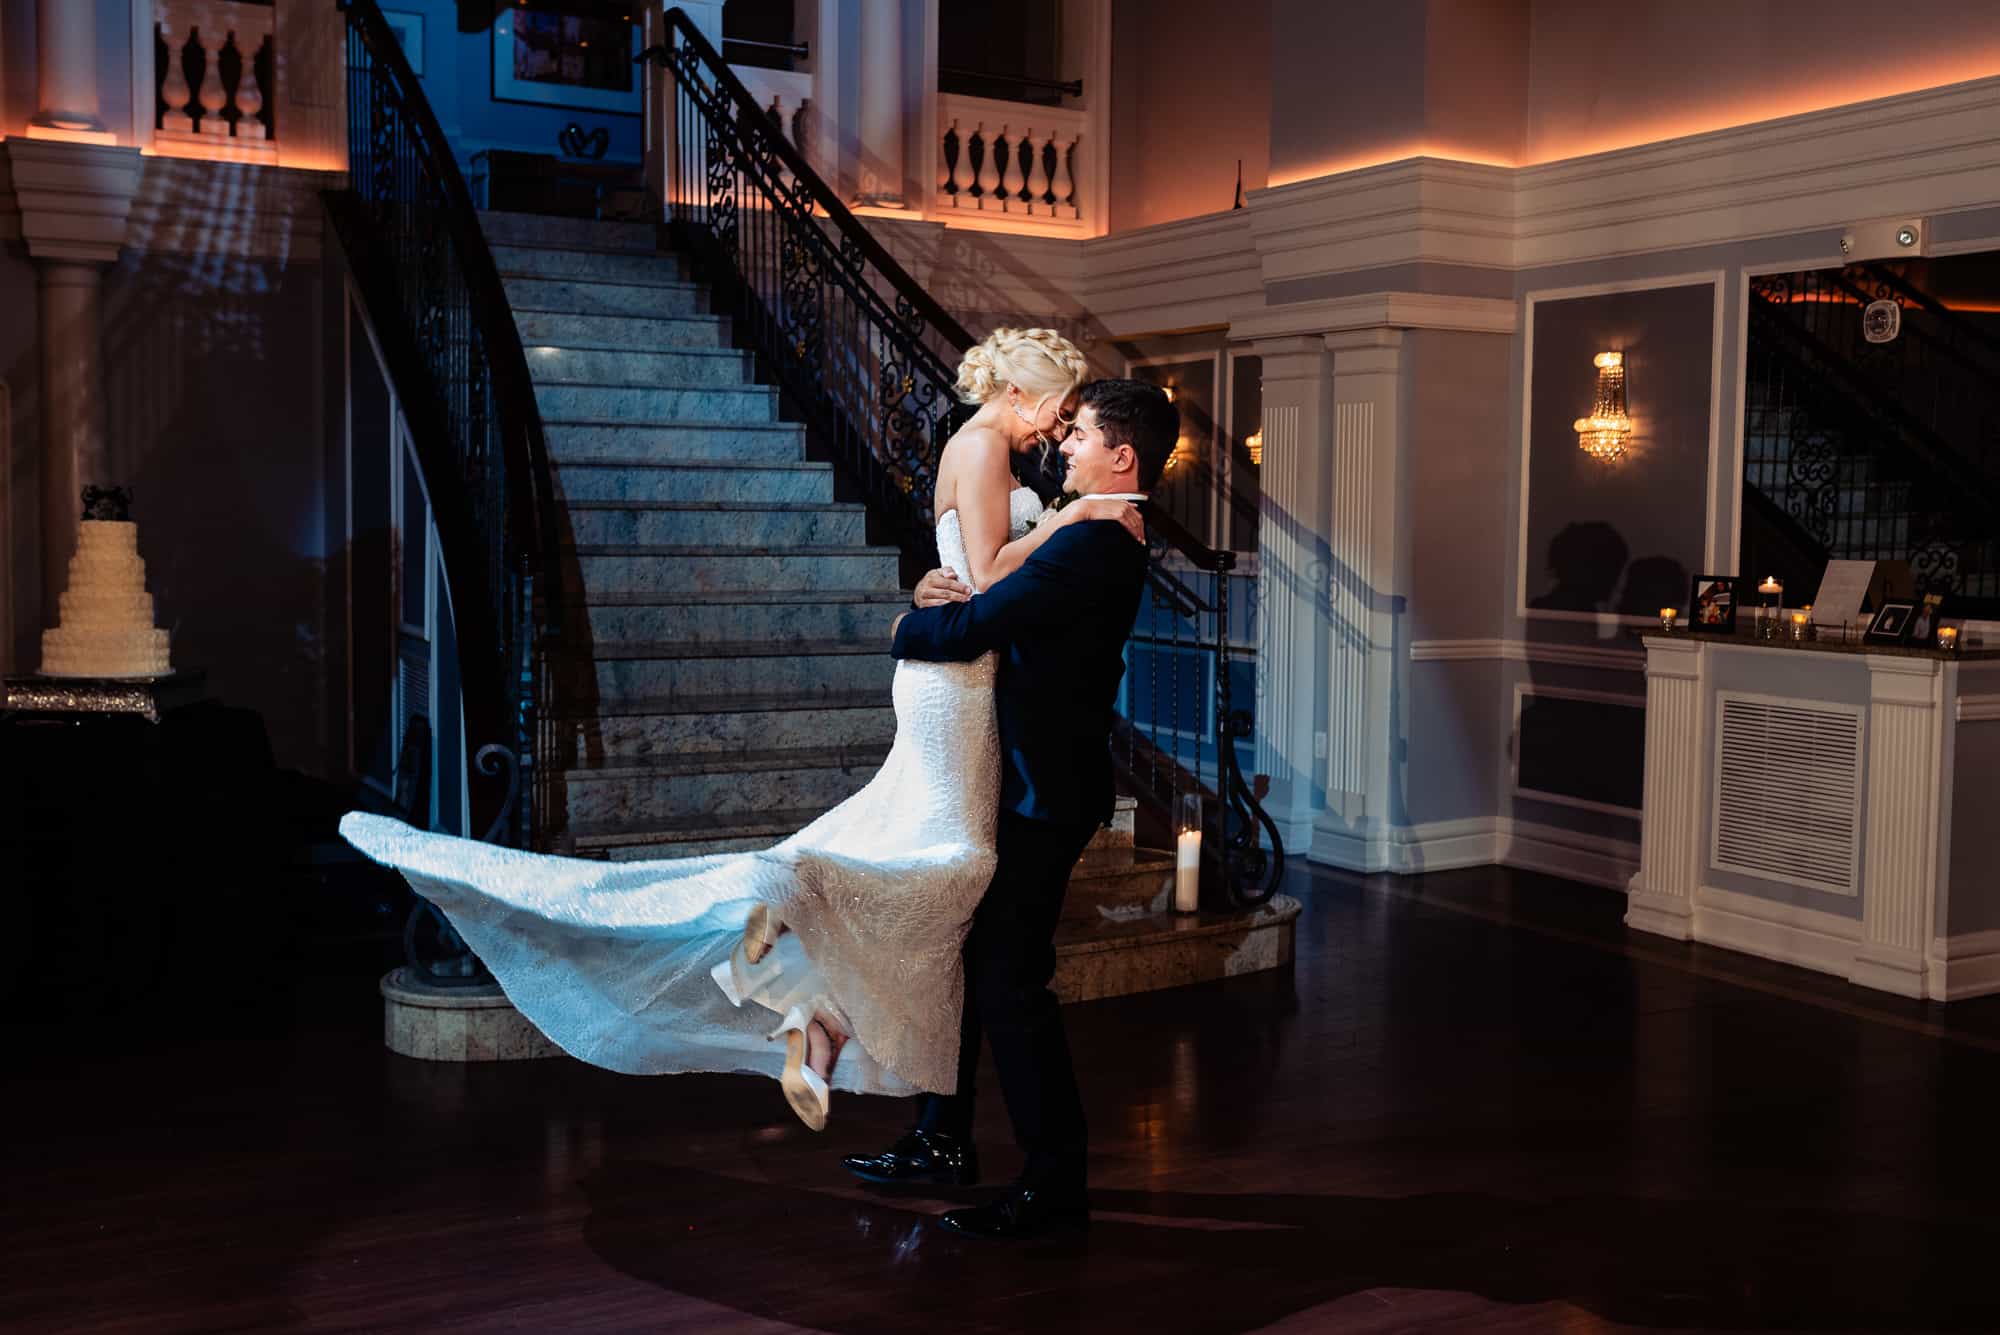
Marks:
<point>423,270</point>
<point>868,358</point>
<point>1873,449</point>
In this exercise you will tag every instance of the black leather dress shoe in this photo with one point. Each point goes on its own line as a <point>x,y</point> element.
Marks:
<point>920,1156</point>
<point>1025,1213</point>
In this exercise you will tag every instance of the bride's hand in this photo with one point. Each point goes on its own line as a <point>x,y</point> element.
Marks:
<point>940,587</point>
<point>1103,507</point>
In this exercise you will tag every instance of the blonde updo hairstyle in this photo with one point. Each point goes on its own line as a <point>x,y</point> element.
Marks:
<point>1041,363</point>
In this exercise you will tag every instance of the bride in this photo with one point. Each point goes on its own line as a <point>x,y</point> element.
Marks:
<point>851,928</point>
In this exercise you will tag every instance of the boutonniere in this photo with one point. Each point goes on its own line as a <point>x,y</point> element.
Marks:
<point>1054,506</point>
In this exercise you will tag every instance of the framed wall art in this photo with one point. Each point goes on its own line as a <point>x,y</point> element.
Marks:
<point>551,54</point>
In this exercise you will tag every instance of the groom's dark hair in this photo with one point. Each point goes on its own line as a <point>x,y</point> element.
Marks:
<point>1132,412</point>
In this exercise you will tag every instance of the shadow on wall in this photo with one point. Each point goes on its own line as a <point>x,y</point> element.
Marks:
<point>1588,562</point>
<point>212,417</point>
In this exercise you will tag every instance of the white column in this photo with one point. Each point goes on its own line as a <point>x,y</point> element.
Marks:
<point>66,63</point>
<point>74,198</point>
<point>1899,868</point>
<point>1660,898</point>
<point>880,174</point>
<point>1291,577</point>
<point>1365,593</point>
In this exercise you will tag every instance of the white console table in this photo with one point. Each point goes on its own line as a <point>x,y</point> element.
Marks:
<point>1826,805</point>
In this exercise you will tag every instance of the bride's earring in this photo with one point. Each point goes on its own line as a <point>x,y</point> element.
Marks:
<point>1040,435</point>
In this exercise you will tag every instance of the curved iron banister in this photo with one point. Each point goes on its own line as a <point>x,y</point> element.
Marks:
<point>434,294</point>
<point>869,357</point>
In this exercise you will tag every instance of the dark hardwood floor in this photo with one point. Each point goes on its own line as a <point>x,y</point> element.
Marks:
<point>1476,1103</point>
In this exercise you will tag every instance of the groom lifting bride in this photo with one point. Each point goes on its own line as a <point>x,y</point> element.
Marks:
<point>1059,624</point>
<point>898,928</point>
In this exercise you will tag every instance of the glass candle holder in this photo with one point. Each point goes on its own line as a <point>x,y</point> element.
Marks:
<point>1801,627</point>
<point>1187,853</point>
<point>1667,615</point>
<point>1947,639</point>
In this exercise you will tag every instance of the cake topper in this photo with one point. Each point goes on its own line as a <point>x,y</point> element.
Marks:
<point>113,503</point>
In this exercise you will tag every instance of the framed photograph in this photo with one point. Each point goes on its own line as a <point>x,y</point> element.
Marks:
<point>409,30</point>
<point>1925,620</point>
<point>1712,604</point>
<point>544,53</point>
<point>1892,622</point>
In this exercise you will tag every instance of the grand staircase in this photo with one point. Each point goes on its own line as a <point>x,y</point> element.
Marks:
<point>725,676</point>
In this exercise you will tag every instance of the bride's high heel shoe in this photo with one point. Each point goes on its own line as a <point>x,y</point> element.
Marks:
<point>743,975</point>
<point>806,1089</point>
<point>760,932</point>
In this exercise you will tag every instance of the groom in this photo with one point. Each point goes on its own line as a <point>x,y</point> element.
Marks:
<point>1059,624</point>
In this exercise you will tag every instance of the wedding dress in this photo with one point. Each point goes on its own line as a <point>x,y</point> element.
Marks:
<point>627,965</point>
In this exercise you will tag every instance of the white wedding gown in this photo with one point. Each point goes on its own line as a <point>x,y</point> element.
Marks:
<point>618,962</point>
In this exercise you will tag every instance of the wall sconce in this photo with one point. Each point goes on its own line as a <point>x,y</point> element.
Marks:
<point>1183,455</point>
<point>1254,443</point>
<point>1605,433</point>
<point>1169,390</point>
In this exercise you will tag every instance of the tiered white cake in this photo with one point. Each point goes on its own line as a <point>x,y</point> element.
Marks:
<point>106,628</point>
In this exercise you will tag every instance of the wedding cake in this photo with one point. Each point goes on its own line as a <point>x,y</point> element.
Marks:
<point>106,627</point>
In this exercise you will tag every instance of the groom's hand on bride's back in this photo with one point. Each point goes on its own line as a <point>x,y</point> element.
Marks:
<point>940,587</point>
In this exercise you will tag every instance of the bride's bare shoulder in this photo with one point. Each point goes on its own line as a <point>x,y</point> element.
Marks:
<point>976,447</point>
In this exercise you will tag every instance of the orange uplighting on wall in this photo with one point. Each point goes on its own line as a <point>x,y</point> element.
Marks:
<point>63,134</point>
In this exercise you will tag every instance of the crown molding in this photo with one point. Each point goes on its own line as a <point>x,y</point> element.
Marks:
<point>1377,310</point>
<point>1527,651</point>
<point>73,198</point>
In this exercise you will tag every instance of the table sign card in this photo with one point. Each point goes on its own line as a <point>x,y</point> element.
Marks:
<point>1842,590</point>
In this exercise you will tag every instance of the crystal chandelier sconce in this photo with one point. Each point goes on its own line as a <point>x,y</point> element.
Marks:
<point>1254,443</point>
<point>1605,433</point>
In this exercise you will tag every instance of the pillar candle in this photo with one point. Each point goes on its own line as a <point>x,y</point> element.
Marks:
<point>1187,872</point>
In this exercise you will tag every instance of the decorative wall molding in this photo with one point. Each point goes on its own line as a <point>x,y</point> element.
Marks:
<point>1966,965</point>
<point>1911,155</point>
<point>97,207</point>
<point>1978,708</point>
<point>1807,938</point>
<point>1375,310</point>
<point>1480,842</point>
<point>1527,651</point>
<point>73,197</point>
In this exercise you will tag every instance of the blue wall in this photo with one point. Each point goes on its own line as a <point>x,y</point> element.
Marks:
<point>458,79</point>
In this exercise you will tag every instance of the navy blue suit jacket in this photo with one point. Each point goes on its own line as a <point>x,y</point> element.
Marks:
<point>1059,624</point>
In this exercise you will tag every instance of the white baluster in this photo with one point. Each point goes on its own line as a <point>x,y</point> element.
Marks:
<point>174,90</point>
<point>249,97</point>
<point>1064,186</point>
<point>961,171</point>
<point>1013,182</point>
<point>989,170</point>
<point>213,37</point>
<point>1038,178</point>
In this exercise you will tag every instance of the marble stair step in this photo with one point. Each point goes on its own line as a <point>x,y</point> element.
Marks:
<point>777,615</point>
<point>627,444</point>
<point>720,368</point>
<point>580,296</point>
<point>651,523</point>
<point>633,840</point>
<point>769,667</point>
<point>634,332</point>
<point>657,405</point>
<point>505,228</point>
<point>640,727</point>
<point>1114,959</point>
<point>693,480</point>
<point>717,784</point>
<point>595,263</point>
<point>1135,885</point>
<point>645,840</point>
<point>722,570</point>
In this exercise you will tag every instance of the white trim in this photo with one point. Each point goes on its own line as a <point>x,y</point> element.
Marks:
<point>145,88</point>
<point>1713,278</point>
<point>9,632</point>
<point>1807,938</point>
<point>1375,310</point>
<point>1524,689</point>
<point>1526,651</point>
<point>1966,965</point>
<point>1978,708</point>
<point>1480,842</point>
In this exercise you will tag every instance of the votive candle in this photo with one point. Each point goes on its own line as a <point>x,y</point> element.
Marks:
<point>1667,615</point>
<point>1947,638</point>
